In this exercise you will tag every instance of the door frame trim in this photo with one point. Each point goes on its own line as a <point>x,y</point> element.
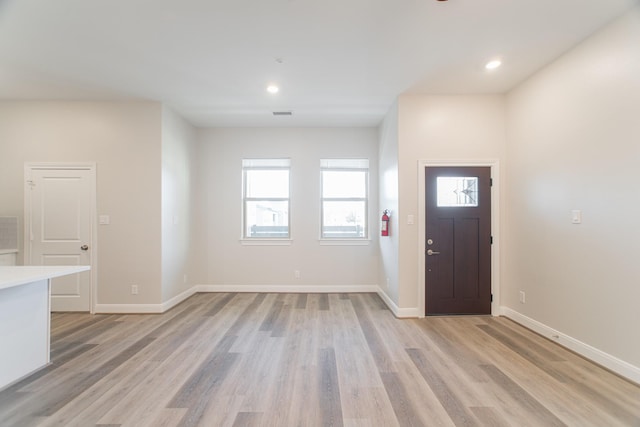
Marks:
<point>93,218</point>
<point>494,164</point>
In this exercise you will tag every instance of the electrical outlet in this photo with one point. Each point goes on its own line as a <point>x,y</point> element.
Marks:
<point>522,297</point>
<point>134,289</point>
<point>184,278</point>
<point>296,274</point>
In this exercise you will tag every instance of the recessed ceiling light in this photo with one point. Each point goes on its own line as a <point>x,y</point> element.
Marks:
<point>273,89</point>
<point>492,65</point>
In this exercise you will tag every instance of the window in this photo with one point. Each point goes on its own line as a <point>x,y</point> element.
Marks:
<point>266,198</point>
<point>345,194</point>
<point>457,191</point>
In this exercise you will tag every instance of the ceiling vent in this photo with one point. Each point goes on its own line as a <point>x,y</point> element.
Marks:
<point>282,113</point>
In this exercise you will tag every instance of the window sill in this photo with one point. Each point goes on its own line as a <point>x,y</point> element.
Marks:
<point>266,242</point>
<point>344,242</point>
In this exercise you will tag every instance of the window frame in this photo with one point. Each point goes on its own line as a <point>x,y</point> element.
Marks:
<point>344,240</point>
<point>245,238</point>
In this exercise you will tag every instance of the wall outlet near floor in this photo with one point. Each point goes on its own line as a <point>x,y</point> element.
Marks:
<point>184,279</point>
<point>296,274</point>
<point>522,297</point>
<point>134,289</point>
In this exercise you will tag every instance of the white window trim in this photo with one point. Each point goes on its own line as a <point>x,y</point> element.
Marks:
<point>348,241</point>
<point>261,241</point>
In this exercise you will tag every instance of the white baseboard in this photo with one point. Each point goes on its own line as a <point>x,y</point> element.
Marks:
<point>144,308</point>
<point>320,289</point>
<point>606,360</point>
<point>168,305</point>
<point>400,313</point>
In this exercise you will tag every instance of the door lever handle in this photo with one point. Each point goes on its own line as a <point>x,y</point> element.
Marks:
<point>84,247</point>
<point>431,252</point>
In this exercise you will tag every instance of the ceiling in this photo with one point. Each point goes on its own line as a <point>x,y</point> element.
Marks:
<point>337,62</point>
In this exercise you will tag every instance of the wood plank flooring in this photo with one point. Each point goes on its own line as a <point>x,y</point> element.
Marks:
<point>231,359</point>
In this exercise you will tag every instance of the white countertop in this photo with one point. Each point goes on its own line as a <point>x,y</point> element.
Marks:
<point>19,275</point>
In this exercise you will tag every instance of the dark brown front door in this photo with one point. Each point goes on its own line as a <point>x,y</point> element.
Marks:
<point>458,240</point>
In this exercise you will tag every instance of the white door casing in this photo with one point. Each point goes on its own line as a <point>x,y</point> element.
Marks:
<point>59,224</point>
<point>494,164</point>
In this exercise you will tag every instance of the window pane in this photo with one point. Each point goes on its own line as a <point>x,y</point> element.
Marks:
<point>267,219</point>
<point>344,184</point>
<point>457,191</point>
<point>267,184</point>
<point>343,219</point>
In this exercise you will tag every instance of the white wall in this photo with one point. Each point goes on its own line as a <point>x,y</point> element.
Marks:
<point>574,143</point>
<point>179,205</point>
<point>124,141</point>
<point>461,128</point>
<point>231,264</point>
<point>388,184</point>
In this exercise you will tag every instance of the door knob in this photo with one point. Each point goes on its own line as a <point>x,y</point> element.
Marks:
<point>84,247</point>
<point>431,252</point>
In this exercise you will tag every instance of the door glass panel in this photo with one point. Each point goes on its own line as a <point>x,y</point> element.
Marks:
<point>457,191</point>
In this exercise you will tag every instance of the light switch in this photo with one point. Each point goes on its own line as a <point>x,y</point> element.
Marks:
<point>410,219</point>
<point>104,219</point>
<point>576,217</point>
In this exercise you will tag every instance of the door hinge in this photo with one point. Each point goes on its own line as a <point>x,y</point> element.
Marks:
<point>490,182</point>
<point>491,240</point>
<point>491,297</point>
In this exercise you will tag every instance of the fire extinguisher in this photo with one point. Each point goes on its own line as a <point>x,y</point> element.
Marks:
<point>385,223</point>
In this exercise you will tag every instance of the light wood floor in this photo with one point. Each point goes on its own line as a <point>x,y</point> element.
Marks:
<point>310,360</point>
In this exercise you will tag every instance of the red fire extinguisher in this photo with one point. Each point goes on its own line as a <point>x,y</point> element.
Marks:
<point>385,223</point>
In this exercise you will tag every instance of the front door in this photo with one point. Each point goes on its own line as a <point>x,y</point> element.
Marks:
<point>458,240</point>
<point>59,220</point>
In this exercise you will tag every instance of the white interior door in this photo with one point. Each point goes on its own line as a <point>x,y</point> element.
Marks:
<point>60,217</point>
